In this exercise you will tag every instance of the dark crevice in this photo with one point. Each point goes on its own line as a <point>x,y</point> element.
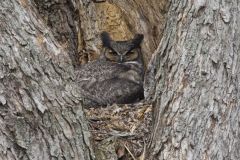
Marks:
<point>61,18</point>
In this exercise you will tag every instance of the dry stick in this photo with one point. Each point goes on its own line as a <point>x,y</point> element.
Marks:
<point>142,157</point>
<point>129,152</point>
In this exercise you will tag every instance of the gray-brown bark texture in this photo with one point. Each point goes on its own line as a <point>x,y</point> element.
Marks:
<point>62,17</point>
<point>41,116</point>
<point>196,91</point>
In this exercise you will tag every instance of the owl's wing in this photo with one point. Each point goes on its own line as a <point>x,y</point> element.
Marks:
<point>116,90</point>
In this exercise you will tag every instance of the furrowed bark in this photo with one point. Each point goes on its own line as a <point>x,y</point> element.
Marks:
<point>196,83</point>
<point>61,16</point>
<point>41,115</point>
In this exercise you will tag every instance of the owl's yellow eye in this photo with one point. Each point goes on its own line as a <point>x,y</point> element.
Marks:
<point>131,56</point>
<point>112,52</point>
<point>111,55</point>
<point>131,52</point>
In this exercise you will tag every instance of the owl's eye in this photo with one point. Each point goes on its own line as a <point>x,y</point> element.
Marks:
<point>112,52</point>
<point>131,55</point>
<point>111,55</point>
<point>131,52</point>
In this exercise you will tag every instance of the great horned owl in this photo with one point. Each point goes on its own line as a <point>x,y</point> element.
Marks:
<point>117,76</point>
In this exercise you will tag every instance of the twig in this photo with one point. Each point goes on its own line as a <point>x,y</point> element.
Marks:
<point>129,152</point>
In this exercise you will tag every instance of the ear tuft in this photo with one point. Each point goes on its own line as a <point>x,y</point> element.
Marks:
<point>137,39</point>
<point>106,39</point>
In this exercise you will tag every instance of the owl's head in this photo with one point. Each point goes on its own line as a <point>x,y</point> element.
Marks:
<point>122,51</point>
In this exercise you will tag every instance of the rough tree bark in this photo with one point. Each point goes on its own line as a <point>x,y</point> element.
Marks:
<point>196,90</point>
<point>62,17</point>
<point>41,116</point>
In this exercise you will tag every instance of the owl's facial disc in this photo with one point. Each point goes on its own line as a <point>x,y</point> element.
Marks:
<point>121,51</point>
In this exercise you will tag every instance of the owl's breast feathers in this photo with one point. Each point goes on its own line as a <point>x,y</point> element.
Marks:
<point>101,70</point>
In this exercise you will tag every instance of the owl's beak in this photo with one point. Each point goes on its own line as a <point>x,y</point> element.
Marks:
<point>121,59</point>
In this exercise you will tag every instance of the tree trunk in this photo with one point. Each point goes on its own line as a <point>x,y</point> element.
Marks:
<point>195,95</point>
<point>41,116</point>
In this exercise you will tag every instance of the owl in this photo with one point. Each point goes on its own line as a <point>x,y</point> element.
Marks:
<point>117,76</point>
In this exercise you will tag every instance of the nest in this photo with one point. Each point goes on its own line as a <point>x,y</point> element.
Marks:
<point>120,132</point>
